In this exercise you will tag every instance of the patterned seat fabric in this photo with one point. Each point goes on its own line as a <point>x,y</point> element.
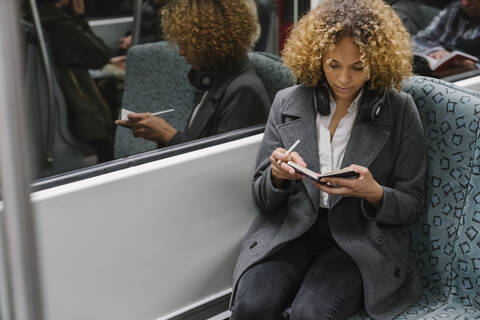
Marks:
<point>270,69</point>
<point>446,239</point>
<point>157,80</point>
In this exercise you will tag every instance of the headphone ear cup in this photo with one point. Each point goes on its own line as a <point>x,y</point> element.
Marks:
<point>200,79</point>
<point>322,100</point>
<point>376,109</point>
<point>204,80</point>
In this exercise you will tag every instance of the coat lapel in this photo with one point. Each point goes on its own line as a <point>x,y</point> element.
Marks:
<point>214,95</point>
<point>206,111</point>
<point>300,123</point>
<point>368,137</point>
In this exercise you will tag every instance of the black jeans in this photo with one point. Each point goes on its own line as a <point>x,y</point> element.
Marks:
<point>312,274</point>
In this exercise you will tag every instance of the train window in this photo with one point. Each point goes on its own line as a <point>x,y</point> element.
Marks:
<point>76,70</point>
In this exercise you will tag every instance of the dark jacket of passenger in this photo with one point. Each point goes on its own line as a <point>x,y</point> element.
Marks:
<point>75,50</point>
<point>151,29</point>
<point>236,99</point>
<point>392,147</point>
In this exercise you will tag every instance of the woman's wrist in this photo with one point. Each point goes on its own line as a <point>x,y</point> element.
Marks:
<point>277,182</point>
<point>375,197</point>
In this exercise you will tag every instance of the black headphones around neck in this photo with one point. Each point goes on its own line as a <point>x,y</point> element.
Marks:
<point>201,79</point>
<point>321,101</point>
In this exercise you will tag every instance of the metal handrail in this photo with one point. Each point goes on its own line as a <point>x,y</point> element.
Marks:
<point>50,80</point>
<point>137,21</point>
<point>20,291</point>
<point>295,12</point>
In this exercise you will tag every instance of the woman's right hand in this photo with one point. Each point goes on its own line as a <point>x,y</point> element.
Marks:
<point>282,171</point>
<point>148,127</point>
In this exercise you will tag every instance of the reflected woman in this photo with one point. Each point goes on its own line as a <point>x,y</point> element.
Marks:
<point>328,249</point>
<point>214,36</point>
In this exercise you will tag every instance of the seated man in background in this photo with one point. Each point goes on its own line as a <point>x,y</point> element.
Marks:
<point>456,27</point>
<point>214,40</point>
<point>76,49</point>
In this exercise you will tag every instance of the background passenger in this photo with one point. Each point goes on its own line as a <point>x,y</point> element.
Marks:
<point>76,49</point>
<point>456,27</point>
<point>214,40</point>
<point>330,248</point>
<point>151,28</point>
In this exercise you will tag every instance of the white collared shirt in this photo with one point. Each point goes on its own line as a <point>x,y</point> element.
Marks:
<point>331,153</point>
<point>197,107</point>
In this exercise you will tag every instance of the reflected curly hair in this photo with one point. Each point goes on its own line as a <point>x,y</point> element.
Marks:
<point>382,39</point>
<point>216,32</point>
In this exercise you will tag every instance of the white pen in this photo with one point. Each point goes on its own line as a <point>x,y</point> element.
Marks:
<point>289,150</point>
<point>162,112</point>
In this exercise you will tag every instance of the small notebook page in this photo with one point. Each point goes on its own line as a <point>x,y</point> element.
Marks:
<point>124,114</point>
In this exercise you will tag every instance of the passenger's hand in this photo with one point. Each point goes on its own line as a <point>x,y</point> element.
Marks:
<point>119,62</point>
<point>125,42</point>
<point>439,55</point>
<point>364,186</point>
<point>283,171</point>
<point>78,7</point>
<point>459,67</point>
<point>466,64</point>
<point>148,127</point>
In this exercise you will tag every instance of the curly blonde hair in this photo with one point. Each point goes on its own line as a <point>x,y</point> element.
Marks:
<point>374,27</point>
<point>215,32</point>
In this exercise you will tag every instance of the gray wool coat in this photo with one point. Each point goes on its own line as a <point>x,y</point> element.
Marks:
<point>392,147</point>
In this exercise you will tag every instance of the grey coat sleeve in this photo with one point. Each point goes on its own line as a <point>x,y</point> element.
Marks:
<point>403,200</point>
<point>266,195</point>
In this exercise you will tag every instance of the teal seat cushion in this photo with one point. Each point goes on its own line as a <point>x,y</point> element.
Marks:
<point>450,127</point>
<point>271,70</point>
<point>445,242</point>
<point>466,265</point>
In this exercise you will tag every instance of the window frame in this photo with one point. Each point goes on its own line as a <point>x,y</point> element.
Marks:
<point>142,158</point>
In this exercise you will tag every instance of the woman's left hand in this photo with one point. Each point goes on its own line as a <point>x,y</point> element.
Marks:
<point>364,186</point>
<point>148,127</point>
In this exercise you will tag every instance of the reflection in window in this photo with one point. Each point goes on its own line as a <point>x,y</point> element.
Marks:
<point>76,125</point>
<point>226,94</point>
<point>79,111</point>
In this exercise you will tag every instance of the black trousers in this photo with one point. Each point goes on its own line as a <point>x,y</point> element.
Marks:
<point>311,274</point>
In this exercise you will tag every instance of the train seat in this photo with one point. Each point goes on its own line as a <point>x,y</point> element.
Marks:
<point>156,79</point>
<point>271,70</point>
<point>446,239</point>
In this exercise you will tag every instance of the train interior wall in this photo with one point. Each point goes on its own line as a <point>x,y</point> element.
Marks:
<point>145,241</point>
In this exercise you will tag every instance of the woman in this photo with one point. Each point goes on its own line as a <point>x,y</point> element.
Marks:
<point>214,40</point>
<point>328,249</point>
